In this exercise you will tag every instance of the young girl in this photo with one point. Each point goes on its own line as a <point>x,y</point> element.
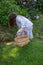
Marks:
<point>25,25</point>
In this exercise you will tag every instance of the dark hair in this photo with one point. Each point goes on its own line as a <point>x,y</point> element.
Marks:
<point>12,19</point>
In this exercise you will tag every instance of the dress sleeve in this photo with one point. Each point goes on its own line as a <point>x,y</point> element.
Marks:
<point>22,24</point>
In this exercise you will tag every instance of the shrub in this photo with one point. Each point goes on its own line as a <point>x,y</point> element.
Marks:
<point>31,6</point>
<point>6,7</point>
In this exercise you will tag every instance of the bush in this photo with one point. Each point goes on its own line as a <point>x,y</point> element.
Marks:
<point>31,6</point>
<point>6,7</point>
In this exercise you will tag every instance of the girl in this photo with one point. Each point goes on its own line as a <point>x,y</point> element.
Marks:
<point>25,25</point>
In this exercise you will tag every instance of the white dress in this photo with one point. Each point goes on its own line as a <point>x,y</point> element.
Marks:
<point>26,24</point>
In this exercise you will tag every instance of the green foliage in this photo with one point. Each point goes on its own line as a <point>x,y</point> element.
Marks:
<point>30,9</point>
<point>31,6</point>
<point>40,5</point>
<point>31,54</point>
<point>7,7</point>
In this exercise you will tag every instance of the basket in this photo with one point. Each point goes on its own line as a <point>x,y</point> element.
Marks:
<point>21,40</point>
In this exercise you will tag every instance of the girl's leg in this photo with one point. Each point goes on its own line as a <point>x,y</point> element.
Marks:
<point>30,33</point>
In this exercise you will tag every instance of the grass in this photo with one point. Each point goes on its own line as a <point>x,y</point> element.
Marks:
<point>31,54</point>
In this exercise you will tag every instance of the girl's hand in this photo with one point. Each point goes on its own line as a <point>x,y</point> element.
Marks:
<point>19,32</point>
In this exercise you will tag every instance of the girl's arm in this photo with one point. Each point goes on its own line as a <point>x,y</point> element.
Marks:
<point>20,30</point>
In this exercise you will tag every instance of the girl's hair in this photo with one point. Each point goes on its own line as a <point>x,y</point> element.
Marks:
<point>12,19</point>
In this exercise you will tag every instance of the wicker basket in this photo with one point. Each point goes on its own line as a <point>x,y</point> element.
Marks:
<point>21,40</point>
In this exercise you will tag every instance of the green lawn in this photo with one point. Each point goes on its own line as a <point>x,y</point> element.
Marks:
<point>31,54</point>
